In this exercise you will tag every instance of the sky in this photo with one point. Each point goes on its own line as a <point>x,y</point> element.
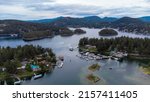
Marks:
<point>43,9</point>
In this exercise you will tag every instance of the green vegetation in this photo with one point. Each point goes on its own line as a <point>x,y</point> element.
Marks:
<point>88,49</point>
<point>94,67</point>
<point>135,47</point>
<point>146,68</point>
<point>66,32</point>
<point>108,32</point>
<point>29,31</point>
<point>79,31</point>
<point>18,61</point>
<point>34,35</point>
<point>25,74</point>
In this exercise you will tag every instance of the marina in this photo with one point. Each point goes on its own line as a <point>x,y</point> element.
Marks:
<point>91,56</point>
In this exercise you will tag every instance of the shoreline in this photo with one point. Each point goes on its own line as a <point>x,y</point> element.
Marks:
<point>66,35</point>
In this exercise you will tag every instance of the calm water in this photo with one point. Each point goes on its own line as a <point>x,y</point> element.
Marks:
<point>75,70</point>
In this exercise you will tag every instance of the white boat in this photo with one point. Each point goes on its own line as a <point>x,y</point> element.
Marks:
<point>17,82</point>
<point>98,58</point>
<point>37,76</point>
<point>60,65</point>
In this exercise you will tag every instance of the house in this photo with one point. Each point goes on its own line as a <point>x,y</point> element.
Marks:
<point>2,69</point>
<point>22,67</point>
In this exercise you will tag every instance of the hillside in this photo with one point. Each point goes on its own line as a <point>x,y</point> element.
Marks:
<point>145,19</point>
<point>133,25</point>
<point>30,30</point>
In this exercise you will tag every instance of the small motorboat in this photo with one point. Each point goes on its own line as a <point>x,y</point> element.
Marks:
<point>60,64</point>
<point>37,76</point>
<point>71,49</point>
<point>17,82</point>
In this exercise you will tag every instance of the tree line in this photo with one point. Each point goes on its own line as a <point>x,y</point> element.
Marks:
<point>131,45</point>
<point>10,58</point>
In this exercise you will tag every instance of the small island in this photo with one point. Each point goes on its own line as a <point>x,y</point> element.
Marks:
<point>94,67</point>
<point>79,31</point>
<point>93,78</point>
<point>108,32</point>
<point>145,69</point>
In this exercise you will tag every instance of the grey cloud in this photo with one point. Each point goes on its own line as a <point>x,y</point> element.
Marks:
<point>51,6</point>
<point>23,2</point>
<point>78,10</point>
<point>11,16</point>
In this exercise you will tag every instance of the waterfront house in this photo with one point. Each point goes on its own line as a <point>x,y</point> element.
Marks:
<point>2,69</point>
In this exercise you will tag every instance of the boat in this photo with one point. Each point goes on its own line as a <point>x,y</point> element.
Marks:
<point>37,76</point>
<point>105,57</point>
<point>60,65</point>
<point>114,58</point>
<point>98,58</point>
<point>110,68</point>
<point>71,49</point>
<point>17,82</point>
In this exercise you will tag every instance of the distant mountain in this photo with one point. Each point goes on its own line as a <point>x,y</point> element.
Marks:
<point>132,25</point>
<point>91,19</point>
<point>98,19</point>
<point>45,20</point>
<point>109,19</point>
<point>128,20</point>
<point>145,19</point>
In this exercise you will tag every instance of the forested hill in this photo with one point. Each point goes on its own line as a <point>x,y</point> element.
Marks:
<point>31,30</point>
<point>133,25</point>
<point>20,27</point>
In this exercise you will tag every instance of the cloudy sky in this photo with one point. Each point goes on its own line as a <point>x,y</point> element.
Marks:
<point>40,9</point>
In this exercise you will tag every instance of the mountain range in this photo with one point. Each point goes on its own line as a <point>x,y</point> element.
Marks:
<point>89,18</point>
